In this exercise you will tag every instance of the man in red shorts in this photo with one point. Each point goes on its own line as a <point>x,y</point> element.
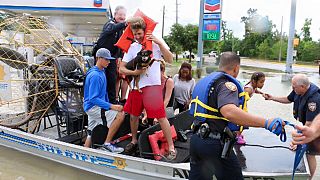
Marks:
<point>150,98</point>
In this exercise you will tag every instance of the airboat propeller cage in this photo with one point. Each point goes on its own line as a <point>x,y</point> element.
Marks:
<point>13,58</point>
<point>35,82</point>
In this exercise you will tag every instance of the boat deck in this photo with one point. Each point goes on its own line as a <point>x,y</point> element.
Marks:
<point>275,159</point>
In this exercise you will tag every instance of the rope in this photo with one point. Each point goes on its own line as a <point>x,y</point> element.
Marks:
<point>277,128</point>
<point>268,147</point>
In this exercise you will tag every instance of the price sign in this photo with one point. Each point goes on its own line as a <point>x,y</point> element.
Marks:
<point>211,29</point>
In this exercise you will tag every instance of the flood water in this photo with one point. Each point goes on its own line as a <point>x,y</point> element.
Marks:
<point>20,166</point>
<point>15,165</point>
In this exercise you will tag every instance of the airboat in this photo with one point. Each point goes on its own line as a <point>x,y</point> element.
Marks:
<point>41,79</point>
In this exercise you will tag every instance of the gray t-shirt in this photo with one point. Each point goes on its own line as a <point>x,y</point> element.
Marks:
<point>183,89</point>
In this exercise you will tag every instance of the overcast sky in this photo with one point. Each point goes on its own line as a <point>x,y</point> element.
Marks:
<point>232,11</point>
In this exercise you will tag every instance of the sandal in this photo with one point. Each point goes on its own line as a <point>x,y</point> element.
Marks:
<point>130,148</point>
<point>172,155</point>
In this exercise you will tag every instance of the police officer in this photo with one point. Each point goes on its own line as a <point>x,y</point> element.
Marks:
<point>305,97</point>
<point>211,145</point>
<point>109,36</point>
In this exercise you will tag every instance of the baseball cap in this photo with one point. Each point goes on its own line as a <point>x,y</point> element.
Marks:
<point>104,53</point>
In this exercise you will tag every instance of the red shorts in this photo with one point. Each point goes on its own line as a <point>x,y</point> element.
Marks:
<point>150,99</point>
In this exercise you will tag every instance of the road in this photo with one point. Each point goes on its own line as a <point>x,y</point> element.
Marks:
<point>281,66</point>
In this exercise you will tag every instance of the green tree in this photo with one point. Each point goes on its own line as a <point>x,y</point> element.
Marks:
<point>183,38</point>
<point>175,38</point>
<point>190,40</point>
<point>257,30</point>
<point>252,13</point>
<point>308,51</point>
<point>264,50</point>
<point>275,49</point>
<point>306,30</point>
<point>175,47</point>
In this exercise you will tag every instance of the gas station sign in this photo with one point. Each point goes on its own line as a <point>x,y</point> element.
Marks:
<point>212,6</point>
<point>211,29</point>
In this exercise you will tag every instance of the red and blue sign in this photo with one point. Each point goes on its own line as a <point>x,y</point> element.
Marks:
<point>97,3</point>
<point>211,29</point>
<point>212,5</point>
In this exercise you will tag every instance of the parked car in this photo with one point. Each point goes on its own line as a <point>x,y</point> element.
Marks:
<point>186,54</point>
<point>213,54</point>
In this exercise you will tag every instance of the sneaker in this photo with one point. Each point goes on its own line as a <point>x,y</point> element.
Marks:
<point>130,148</point>
<point>240,140</point>
<point>172,155</point>
<point>112,148</point>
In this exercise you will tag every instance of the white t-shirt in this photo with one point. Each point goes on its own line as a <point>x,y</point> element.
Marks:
<point>152,76</point>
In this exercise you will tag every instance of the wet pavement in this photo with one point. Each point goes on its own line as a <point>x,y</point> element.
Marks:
<point>281,66</point>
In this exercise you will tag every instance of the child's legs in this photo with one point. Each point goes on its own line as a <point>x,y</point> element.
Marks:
<point>118,83</point>
<point>124,89</point>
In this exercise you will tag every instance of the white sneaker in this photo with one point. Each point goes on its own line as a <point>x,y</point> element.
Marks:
<point>112,148</point>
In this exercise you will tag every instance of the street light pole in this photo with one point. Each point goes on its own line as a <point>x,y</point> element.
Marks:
<point>231,36</point>
<point>280,51</point>
<point>200,41</point>
<point>290,38</point>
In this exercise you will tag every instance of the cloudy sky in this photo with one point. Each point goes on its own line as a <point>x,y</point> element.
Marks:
<point>232,11</point>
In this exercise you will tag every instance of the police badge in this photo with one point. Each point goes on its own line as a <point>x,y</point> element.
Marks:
<point>312,106</point>
<point>231,86</point>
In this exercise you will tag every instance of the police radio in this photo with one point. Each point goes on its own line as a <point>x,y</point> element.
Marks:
<point>204,131</point>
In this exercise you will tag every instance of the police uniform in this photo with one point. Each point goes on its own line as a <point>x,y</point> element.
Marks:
<point>109,36</point>
<point>306,108</point>
<point>205,153</point>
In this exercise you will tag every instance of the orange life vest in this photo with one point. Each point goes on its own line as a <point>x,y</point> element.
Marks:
<point>127,37</point>
<point>159,144</point>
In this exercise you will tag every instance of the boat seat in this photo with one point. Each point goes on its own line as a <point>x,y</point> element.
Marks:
<point>181,121</point>
<point>70,73</point>
<point>90,62</point>
<point>70,116</point>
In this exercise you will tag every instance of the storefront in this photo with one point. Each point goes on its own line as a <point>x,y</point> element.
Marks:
<point>80,21</point>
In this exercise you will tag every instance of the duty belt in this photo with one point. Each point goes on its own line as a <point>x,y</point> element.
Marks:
<point>212,135</point>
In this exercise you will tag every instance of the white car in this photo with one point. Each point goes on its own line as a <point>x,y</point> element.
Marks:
<point>186,54</point>
<point>213,54</point>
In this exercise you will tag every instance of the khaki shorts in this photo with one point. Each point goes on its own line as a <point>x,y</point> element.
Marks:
<point>95,117</point>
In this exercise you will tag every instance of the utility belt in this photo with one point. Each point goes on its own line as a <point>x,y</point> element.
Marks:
<point>204,132</point>
<point>227,138</point>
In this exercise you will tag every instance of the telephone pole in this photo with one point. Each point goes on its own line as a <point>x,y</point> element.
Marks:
<point>176,11</point>
<point>289,60</point>
<point>291,36</point>
<point>280,51</point>
<point>163,12</point>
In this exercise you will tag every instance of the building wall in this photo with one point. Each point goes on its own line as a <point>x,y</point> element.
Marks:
<point>56,4</point>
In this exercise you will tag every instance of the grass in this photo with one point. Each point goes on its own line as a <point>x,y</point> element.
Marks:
<point>250,68</point>
<point>284,61</point>
<point>181,60</point>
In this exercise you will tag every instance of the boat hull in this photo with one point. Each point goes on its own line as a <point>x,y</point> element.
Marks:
<point>108,164</point>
